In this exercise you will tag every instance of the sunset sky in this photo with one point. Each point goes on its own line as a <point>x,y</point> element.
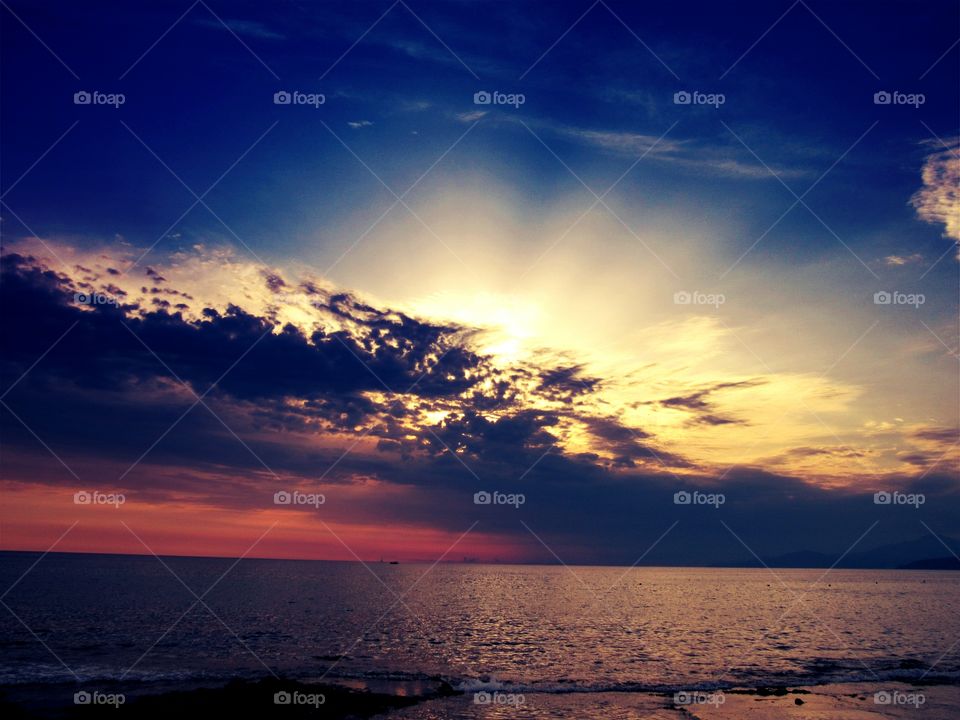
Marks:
<point>399,297</point>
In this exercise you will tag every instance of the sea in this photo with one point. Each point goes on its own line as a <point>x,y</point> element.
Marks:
<point>492,631</point>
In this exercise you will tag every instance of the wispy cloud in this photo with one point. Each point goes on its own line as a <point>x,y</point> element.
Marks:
<point>697,155</point>
<point>898,260</point>
<point>626,143</point>
<point>938,201</point>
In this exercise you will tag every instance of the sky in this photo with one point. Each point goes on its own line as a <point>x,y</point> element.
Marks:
<point>587,254</point>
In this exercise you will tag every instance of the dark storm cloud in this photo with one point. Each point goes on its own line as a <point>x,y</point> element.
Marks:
<point>387,353</point>
<point>699,404</point>
<point>920,459</point>
<point>812,452</point>
<point>376,372</point>
<point>275,283</point>
<point>510,439</point>
<point>629,445</point>
<point>938,434</point>
<point>567,382</point>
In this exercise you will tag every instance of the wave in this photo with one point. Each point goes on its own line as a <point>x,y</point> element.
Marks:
<point>474,685</point>
<point>818,673</point>
<point>42,674</point>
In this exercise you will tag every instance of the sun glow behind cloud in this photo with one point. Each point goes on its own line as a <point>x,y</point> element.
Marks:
<point>689,378</point>
<point>511,324</point>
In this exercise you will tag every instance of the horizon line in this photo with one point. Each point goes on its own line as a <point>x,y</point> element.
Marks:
<point>761,566</point>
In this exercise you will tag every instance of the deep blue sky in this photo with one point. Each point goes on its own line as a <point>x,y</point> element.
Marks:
<point>799,98</point>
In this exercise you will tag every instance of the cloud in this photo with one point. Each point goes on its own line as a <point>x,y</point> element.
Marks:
<point>702,409</point>
<point>566,382</point>
<point>625,143</point>
<point>938,201</point>
<point>338,366</point>
<point>390,415</point>
<point>947,436</point>
<point>898,260</point>
<point>717,159</point>
<point>801,453</point>
<point>366,349</point>
<point>357,124</point>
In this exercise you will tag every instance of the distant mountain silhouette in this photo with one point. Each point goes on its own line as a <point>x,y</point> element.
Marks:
<point>941,563</point>
<point>927,549</point>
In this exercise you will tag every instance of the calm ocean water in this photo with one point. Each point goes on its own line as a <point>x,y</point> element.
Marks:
<point>511,628</point>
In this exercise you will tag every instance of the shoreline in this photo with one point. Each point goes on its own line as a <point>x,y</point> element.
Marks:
<point>429,699</point>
